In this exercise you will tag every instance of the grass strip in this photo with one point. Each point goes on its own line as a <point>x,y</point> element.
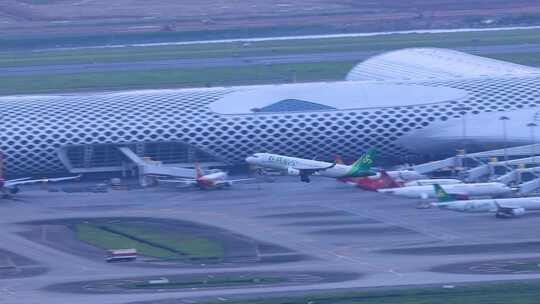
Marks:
<point>107,240</point>
<point>206,77</point>
<point>284,47</point>
<point>188,245</point>
<point>498,293</point>
<point>207,283</point>
<point>198,77</point>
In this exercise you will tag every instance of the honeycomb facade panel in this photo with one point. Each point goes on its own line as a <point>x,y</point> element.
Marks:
<point>224,124</point>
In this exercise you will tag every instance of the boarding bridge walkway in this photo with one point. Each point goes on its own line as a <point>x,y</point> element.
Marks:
<point>149,168</point>
<point>529,187</point>
<point>514,176</point>
<point>482,158</point>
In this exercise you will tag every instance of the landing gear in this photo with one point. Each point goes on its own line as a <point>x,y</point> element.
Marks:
<point>5,193</point>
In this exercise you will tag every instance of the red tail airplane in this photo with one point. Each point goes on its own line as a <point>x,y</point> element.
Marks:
<point>382,181</point>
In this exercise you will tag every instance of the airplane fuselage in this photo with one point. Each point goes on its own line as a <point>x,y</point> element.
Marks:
<point>438,181</point>
<point>289,164</point>
<point>490,205</point>
<point>212,180</point>
<point>374,183</point>
<point>405,175</point>
<point>470,190</point>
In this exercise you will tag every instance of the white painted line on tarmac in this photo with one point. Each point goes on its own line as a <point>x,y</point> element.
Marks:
<point>303,37</point>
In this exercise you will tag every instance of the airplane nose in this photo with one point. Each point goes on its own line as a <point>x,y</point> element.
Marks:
<point>250,159</point>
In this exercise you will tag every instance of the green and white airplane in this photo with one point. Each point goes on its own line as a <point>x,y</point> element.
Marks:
<point>307,167</point>
<point>465,191</point>
<point>506,207</point>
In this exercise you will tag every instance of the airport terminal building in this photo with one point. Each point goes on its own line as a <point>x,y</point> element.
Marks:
<point>412,104</point>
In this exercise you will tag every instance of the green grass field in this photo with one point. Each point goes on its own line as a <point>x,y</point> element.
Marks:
<point>21,42</point>
<point>208,283</point>
<point>531,59</point>
<point>204,77</point>
<point>188,244</point>
<point>532,266</point>
<point>103,239</point>
<point>234,75</point>
<point>377,43</point>
<point>149,240</point>
<point>501,293</point>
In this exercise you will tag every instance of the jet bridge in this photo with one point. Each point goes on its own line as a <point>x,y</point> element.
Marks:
<point>515,176</point>
<point>484,167</point>
<point>529,187</point>
<point>455,161</point>
<point>148,169</point>
<point>488,162</point>
<point>518,162</point>
<point>510,152</point>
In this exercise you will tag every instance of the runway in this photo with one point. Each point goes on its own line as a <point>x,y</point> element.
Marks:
<point>383,239</point>
<point>179,64</point>
<point>308,37</point>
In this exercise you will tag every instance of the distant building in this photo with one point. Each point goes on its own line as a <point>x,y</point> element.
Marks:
<point>409,104</point>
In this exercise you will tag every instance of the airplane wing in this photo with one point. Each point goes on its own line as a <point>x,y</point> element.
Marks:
<point>460,196</point>
<point>232,181</point>
<point>59,179</point>
<point>17,180</point>
<point>314,168</point>
<point>27,180</point>
<point>179,181</point>
<point>306,171</point>
<point>509,211</point>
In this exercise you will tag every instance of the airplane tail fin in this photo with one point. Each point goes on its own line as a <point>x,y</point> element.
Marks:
<point>198,171</point>
<point>364,163</point>
<point>388,180</point>
<point>442,196</point>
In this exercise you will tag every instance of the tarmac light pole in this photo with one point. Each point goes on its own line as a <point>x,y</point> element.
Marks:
<point>531,126</point>
<point>504,119</point>
<point>463,111</point>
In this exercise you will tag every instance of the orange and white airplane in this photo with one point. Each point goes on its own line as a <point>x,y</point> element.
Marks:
<point>212,180</point>
<point>9,188</point>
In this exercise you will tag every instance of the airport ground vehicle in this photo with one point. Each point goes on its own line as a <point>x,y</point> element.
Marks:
<point>121,255</point>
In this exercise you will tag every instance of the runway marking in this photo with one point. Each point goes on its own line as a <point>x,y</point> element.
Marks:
<point>390,219</point>
<point>392,271</point>
<point>7,290</point>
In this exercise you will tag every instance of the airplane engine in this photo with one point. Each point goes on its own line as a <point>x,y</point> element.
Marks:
<point>519,212</point>
<point>13,190</point>
<point>292,171</point>
<point>515,212</point>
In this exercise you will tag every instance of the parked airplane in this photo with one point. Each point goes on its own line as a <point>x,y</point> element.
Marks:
<point>384,181</point>
<point>11,187</point>
<point>211,180</point>
<point>460,191</point>
<point>507,207</point>
<point>381,181</point>
<point>307,167</point>
<point>387,179</point>
<point>397,175</point>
